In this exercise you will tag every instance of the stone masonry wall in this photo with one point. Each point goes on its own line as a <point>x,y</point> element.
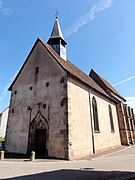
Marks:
<point>40,88</point>
<point>81,141</point>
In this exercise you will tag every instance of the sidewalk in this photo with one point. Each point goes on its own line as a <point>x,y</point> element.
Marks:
<point>21,158</point>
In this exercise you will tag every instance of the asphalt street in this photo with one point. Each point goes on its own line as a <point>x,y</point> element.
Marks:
<point>118,165</point>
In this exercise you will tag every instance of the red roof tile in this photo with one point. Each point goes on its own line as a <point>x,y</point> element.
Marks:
<point>75,71</point>
<point>107,84</point>
<point>69,67</point>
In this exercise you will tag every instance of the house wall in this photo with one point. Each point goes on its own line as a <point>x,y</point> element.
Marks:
<point>80,115</point>
<point>3,122</point>
<point>48,96</point>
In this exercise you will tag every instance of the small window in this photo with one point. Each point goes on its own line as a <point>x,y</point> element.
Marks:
<point>29,108</point>
<point>31,88</point>
<point>47,84</point>
<point>62,80</point>
<point>12,110</point>
<point>95,115</point>
<point>36,73</point>
<point>36,70</point>
<point>15,92</point>
<point>111,119</point>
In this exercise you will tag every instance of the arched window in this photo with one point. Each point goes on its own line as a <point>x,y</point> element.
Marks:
<point>95,114</point>
<point>111,119</point>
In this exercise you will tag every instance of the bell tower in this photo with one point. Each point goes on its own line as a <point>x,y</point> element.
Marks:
<point>56,40</point>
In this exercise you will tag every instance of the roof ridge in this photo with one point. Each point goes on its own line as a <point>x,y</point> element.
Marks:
<point>67,66</point>
<point>80,70</point>
<point>106,83</point>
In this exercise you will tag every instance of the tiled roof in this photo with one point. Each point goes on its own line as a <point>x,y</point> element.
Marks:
<point>107,84</point>
<point>69,67</point>
<point>75,71</point>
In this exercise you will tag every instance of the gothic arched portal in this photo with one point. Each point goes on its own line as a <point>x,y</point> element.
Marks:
<point>38,135</point>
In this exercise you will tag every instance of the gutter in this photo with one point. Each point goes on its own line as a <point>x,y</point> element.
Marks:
<point>92,133</point>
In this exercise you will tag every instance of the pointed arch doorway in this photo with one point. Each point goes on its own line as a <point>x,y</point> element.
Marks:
<point>38,136</point>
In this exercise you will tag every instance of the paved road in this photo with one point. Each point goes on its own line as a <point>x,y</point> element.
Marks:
<point>119,165</point>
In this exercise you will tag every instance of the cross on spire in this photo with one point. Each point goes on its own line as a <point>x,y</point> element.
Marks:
<point>57,13</point>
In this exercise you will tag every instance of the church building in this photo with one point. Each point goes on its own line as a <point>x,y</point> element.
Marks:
<point>58,111</point>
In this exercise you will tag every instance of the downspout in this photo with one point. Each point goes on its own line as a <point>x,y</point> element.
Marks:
<point>92,133</point>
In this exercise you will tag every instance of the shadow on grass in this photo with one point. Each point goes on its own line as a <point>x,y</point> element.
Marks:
<point>82,174</point>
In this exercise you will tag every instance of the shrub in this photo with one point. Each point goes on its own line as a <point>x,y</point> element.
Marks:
<point>2,139</point>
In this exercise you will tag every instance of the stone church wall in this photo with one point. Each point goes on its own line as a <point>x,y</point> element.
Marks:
<point>45,97</point>
<point>80,139</point>
<point>105,138</point>
<point>83,141</point>
<point>39,91</point>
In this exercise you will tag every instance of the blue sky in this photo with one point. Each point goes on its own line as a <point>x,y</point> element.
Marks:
<point>100,36</point>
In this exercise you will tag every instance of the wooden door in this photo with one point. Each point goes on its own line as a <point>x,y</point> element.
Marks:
<point>40,143</point>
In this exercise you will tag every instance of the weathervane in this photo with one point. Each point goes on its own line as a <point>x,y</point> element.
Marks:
<point>57,13</point>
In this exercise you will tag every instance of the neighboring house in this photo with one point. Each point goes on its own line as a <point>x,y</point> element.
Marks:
<point>3,122</point>
<point>0,118</point>
<point>59,111</point>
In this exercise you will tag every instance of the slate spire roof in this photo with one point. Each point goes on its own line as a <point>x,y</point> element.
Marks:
<point>56,40</point>
<point>56,32</point>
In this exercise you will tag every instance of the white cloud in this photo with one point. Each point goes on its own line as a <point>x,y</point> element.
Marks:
<point>132,99</point>
<point>131,102</point>
<point>3,10</point>
<point>86,18</point>
<point>123,81</point>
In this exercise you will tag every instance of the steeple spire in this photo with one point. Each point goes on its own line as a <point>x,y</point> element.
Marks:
<point>56,40</point>
<point>56,32</point>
